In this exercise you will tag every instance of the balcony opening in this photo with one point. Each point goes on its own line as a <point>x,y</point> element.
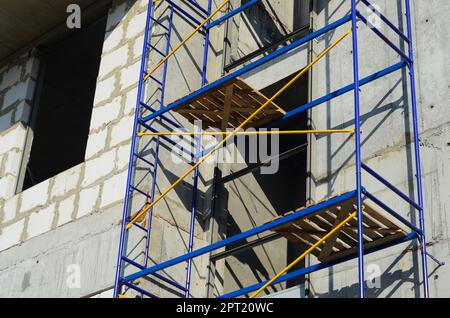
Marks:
<point>63,104</point>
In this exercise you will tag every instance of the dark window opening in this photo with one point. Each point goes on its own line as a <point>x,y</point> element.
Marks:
<point>284,190</point>
<point>264,27</point>
<point>63,108</point>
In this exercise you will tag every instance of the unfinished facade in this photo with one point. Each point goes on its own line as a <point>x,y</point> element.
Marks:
<point>68,100</point>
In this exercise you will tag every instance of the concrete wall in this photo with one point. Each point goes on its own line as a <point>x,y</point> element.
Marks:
<point>386,114</point>
<point>73,219</point>
<point>263,24</point>
<point>253,199</point>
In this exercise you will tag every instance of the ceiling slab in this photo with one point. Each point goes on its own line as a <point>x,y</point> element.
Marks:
<point>23,22</point>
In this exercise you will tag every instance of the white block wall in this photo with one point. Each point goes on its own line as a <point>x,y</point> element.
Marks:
<point>94,190</point>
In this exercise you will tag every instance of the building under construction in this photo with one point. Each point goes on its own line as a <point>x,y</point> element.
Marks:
<point>224,148</point>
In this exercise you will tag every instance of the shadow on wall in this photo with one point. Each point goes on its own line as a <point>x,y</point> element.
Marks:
<point>256,197</point>
<point>392,280</point>
<point>381,106</point>
<point>263,27</point>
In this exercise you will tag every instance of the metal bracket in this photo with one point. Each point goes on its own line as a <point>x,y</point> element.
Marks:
<point>436,260</point>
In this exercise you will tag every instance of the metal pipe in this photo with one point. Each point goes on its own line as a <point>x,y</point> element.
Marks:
<point>245,247</point>
<point>140,290</point>
<point>241,236</point>
<point>392,212</point>
<point>358,150</point>
<point>383,37</point>
<point>158,143</point>
<point>300,109</point>
<point>143,159</point>
<point>152,196</point>
<point>157,50</point>
<point>303,255</point>
<point>117,280</point>
<point>232,13</point>
<point>423,242</point>
<point>385,20</point>
<point>192,222</point>
<point>197,29</point>
<point>247,133</point>
<point>390,186</point>
<point>159,23</point>
<point>182,11</point>
<point>196,172</point>
<point>316,267</point>
<point>249,67</point>
<point>165,118</point>
<point>206,48</point>
<point>164,279</point>
<point>242,125</point>
<point>186,151</point>
<point>166,64</point>
<point>195,4</point>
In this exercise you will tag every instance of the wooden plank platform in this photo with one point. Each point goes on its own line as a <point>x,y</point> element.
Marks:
<point>228,106</point>
<point>379,228</point>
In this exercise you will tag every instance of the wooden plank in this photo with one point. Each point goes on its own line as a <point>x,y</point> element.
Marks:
<point>198,111</point>
<point>227,106</point>
<point>304,225</point>
<point>258,97</point>
<point>368,235</point>
<point>367,245</point>
<point>331,241</point>
<point>348,236</point>
<point>381,218</point>
<point>236,109</point>
<point>378,229</point>
<point>252,110</point>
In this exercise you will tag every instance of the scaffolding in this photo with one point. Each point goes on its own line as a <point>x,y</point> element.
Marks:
<point>358,222</point>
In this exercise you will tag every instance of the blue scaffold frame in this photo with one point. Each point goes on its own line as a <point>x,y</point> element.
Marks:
<point>417,232</point>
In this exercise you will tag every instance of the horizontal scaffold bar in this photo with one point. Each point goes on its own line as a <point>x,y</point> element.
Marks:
<point>248,68</point>
<point>304,254</point>
<point>184,12</point>
<point>386,20</point>
<point>240,127</point>
<point>249,133</point>
<point>244,235</point>
<point>316,267</point>
<point>195,4</point>
<point>300,109</point>
<point>383,37</point>
<point>198,28</point>
<point>397,191</point>
<point>233,13</point>
<point>392,212</point>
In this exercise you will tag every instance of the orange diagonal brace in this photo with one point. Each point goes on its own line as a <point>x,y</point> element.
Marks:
<point>244,123</point>
<point>186,39</point>
<point>308,251</point>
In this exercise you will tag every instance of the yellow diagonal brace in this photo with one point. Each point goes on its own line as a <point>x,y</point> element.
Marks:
<point>248,133</point>
<point>186,39</point>
<point>244,123</point>
<point>308,251</point>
